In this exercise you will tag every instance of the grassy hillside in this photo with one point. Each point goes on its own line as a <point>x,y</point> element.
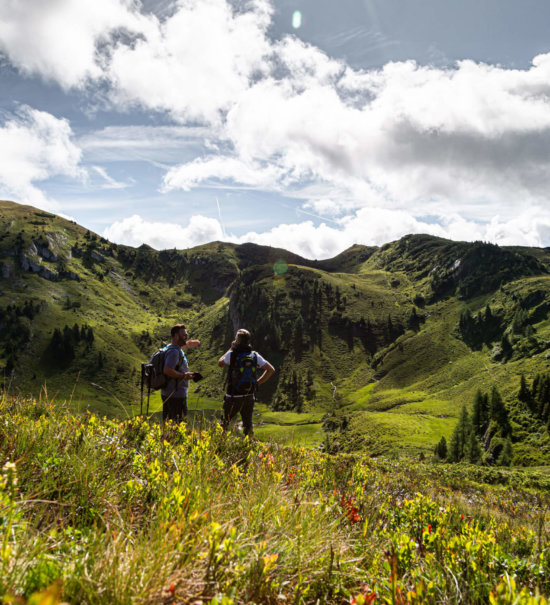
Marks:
<point>106,511</point>
<point>377,348</point>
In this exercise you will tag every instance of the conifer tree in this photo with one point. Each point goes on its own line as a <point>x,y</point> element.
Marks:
<point>441,449</point>
<point>460,438</point>
<point>505,458</point>
<point>474,449</point>
<point>499,413</point>
<point>524,394</point>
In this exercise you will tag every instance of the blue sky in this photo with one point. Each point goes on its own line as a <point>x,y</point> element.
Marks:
<point>177,123</point>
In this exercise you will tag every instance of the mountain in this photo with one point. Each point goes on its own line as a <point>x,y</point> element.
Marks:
<point>375,349</point>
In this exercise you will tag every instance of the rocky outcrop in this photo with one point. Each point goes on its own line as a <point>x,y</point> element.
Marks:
<point>48,274</point>
<point>98,258</point>
<point>28,264</point>
<point>46,253</point>
<point>6,270</point>
<point>69,275</point>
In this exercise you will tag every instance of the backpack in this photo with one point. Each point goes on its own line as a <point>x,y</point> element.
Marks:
<point>153,371</point>
<point>242,371</point>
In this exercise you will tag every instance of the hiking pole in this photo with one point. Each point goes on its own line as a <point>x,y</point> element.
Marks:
<point>141,402</point>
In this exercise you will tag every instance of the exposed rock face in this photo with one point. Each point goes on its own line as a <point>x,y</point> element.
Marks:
<point>47,254</point>
<point>6,270</point>
<point>70,275</point>
<point>28,264</point>
<point>98,258</point>
<point>47,274</point>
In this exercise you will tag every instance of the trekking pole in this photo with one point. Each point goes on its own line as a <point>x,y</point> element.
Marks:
<point>148,395</point>
<point>141,401</point>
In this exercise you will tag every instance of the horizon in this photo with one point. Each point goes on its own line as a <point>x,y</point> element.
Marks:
<point>282,123</point>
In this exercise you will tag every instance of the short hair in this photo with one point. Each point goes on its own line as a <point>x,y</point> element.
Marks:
<point>243,336</point>
<point>176,328</point>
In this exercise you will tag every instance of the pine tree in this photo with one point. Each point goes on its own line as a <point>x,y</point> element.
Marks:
<point>499,413</point>
<point>505,458</point>
<point>460,438</point>
<point>441,449</point>
<point>524,393</point>
<point>474,449</point>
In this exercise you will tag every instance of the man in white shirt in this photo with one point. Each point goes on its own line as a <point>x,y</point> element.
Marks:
<point>242,383</point>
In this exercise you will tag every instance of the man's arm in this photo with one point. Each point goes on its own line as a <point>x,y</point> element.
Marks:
<point>168,371</point>
<point>191,344</point>
<point>221,362</point>
<point>269,370</point>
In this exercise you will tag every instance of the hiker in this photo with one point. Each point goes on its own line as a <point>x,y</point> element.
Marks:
<point>176,369</point>
<point>241,380</point>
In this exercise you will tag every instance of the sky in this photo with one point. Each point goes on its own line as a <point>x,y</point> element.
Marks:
<point>309,125</point>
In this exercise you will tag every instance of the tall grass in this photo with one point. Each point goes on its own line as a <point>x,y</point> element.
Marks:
<point>102,511</point>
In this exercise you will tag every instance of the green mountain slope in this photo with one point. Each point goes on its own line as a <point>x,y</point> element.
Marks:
<point>377,348</point>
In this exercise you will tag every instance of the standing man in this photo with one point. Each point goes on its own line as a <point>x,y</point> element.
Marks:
<point>176,370</point>
<point>242,382</point>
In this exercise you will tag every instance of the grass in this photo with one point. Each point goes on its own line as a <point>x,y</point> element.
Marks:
<point>94,510</point>
<point>133,296</point>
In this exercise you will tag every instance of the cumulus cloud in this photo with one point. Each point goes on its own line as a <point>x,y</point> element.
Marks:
<point>195,64</point>
<point>463,142</point>
<point>59,40</point>
<point>367,226</point>
<point>135,230</point>
<point>34,145</point>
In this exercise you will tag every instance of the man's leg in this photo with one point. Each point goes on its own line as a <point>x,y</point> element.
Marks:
<point>174,408</point>
<point>231,406</point>
<point>247,409</point>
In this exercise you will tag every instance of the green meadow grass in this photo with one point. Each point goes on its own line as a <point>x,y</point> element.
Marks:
<point>96,510</point>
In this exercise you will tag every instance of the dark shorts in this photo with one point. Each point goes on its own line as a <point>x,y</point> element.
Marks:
<point>244,404</point>
<point>174,408</point>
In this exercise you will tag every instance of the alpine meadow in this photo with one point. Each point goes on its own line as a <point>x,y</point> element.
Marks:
<point>402,446</point>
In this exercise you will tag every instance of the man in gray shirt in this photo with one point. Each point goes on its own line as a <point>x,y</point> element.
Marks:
<point>176,369</point>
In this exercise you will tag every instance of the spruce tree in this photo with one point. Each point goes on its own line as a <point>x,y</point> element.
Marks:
<point>474,449</point>
<point>505,458</point>
<point>441,449</point>
<point>524,394</point>
<point>499,413</point>
<point>460,438</point>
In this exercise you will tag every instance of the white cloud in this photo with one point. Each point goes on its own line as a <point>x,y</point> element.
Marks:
<point>367,226</point>
<point>197,63</point>
<point>218,169</point>
<point>34,146</point>
<point>135,230</point>
<point>58,39</point>
<point>283,116</point>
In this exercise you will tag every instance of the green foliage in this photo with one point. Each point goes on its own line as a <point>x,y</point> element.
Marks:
<point>489,422</point>
<point>332,328</point>
<point>97,510</point>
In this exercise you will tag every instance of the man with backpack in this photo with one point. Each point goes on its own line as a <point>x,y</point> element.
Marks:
<point>176,370</point>
<point>242,380</point>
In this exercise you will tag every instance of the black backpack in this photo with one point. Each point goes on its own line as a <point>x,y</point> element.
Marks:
<point>243,365</point>
<point>153,371</point>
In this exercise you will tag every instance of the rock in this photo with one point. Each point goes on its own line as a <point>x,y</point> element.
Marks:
<point>27,264</point>
<point>98,258</point>
<point>47,254</point>
<point>69,275</point>
<point>47,274</point>
<point>6,270</point>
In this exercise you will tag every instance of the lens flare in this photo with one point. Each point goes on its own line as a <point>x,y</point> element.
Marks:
<point>296,19</point>
<point>280,267</point>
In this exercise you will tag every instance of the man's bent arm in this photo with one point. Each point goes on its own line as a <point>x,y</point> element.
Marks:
<point>168,371</point>
<point>269,370</point>
<point>220,360</point>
